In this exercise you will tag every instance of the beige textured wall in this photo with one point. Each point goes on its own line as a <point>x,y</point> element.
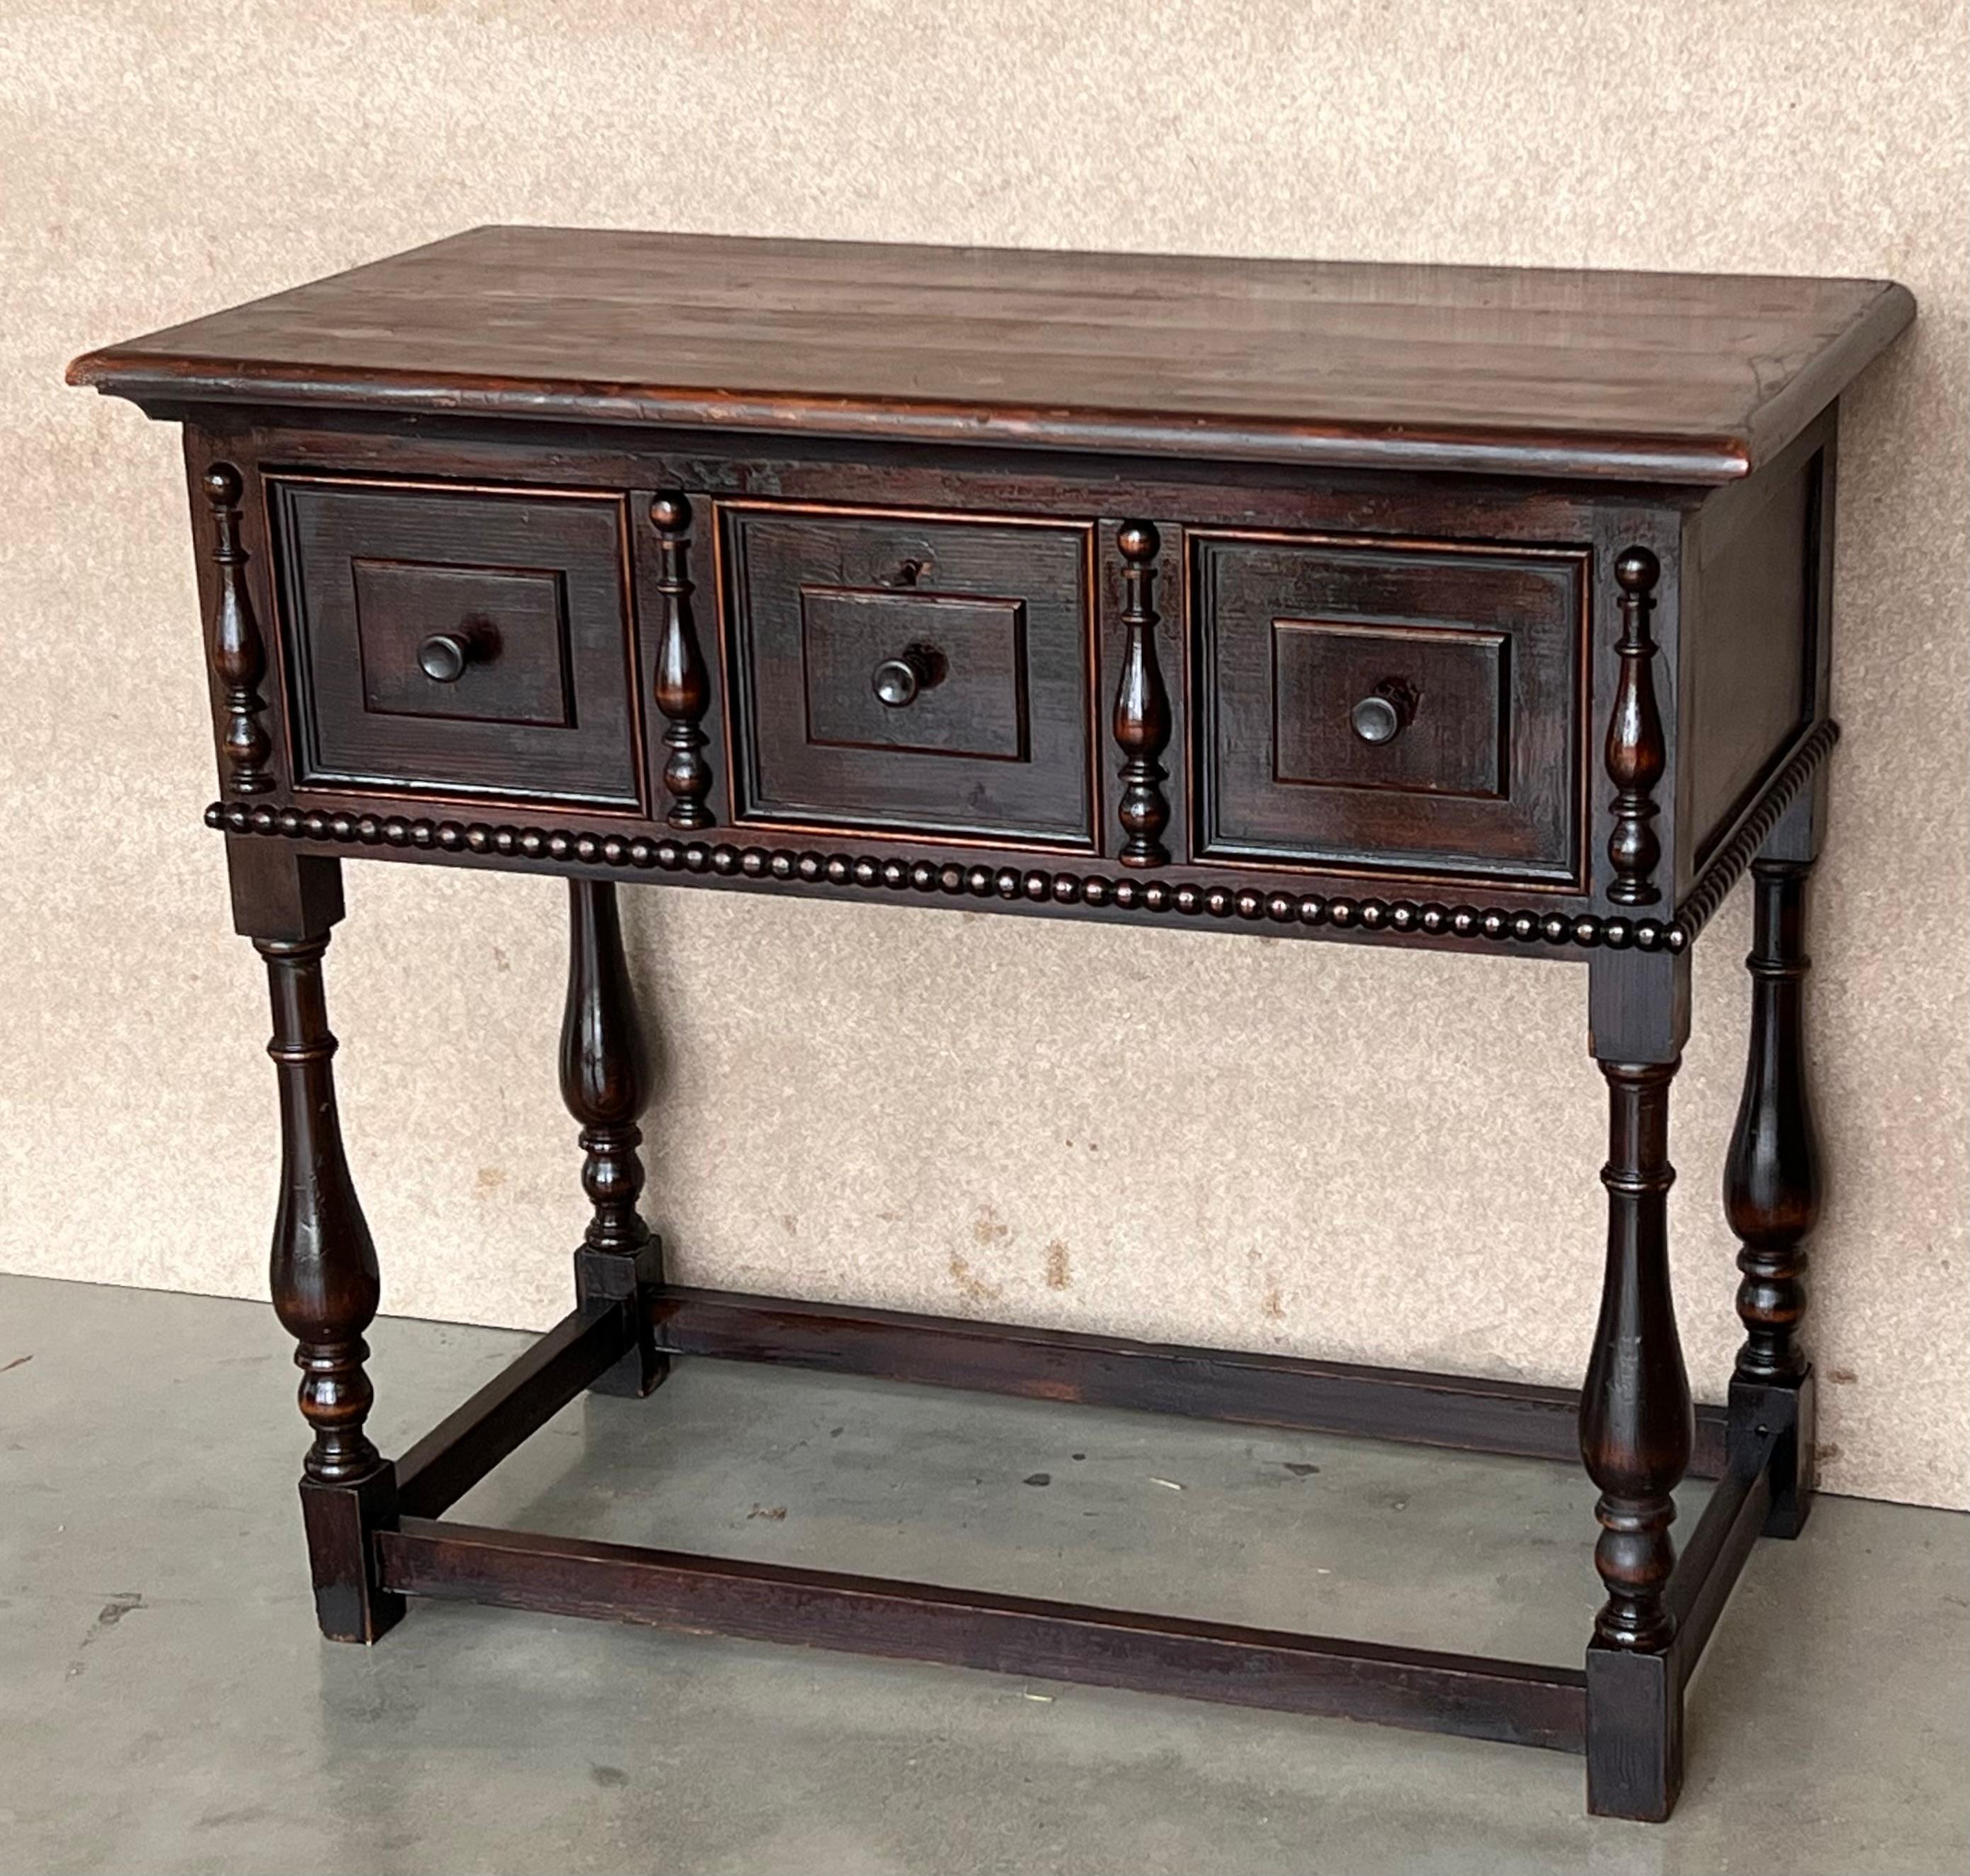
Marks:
<point>1287,1146</point>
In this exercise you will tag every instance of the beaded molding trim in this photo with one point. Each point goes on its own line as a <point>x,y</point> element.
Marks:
<point>1713,885</point>
<point>1187,898</point>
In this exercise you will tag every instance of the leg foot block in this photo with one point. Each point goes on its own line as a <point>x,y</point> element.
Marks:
<point>605,1280</point>
<point>342,1521</point>
<point>1781,1411</point>
<point>1634,1733</point>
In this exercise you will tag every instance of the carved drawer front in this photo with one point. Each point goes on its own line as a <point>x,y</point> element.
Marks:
<point>1412,708</point>
<point>466,641</point>
<point>916,672</point>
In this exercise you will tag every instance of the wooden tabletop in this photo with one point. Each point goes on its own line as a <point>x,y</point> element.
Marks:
<point>1674,378</point>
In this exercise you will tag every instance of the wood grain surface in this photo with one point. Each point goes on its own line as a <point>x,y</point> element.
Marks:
<point>1658,376</point>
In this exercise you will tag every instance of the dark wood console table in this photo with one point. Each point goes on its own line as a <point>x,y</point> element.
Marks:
<point>1438,608</point>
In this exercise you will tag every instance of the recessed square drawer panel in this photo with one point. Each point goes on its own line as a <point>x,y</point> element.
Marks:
<point>915,672</point>
<point>462,641</point>
<point>1411,708</point>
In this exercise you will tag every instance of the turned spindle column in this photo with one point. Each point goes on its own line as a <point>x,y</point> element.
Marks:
<point>682,691</point>
<point>1636,1425</point>
<point>1771,1179</point>
<point>326,1290</point>
<point>1142,724</point>
<point>1637,753</point>
<point>605,1080</point>
<point>1772,1192</point>
<point>1636,1428</point>
<point>239,655</point>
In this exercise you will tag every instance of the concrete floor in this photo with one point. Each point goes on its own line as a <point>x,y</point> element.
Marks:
<point>165,1704</point>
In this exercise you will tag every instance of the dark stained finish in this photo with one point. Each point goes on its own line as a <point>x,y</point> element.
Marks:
<point>682,691</point>
<point>1641,377</point>
<point>326,1289</point>
<point>1772,1425</point>
<point>1772,1187</point>
<point>239,653</point>
<point>1634,1732</point>
<point>340,1523</point>
<point>1275,905</point>
<point>1512,1701</point>
<point>1462,749</point>
<point>605,1073</point>
<point>1465,1412</point>
<point>1754,689</point>
<point>1637,753</point>
<point>1637,1433</point>
<point>325,1282</point>
<point>605,1082</point>
<point>1635,1698</point>
<point>1718,1549</point>
<point>1494,615</point>
<point>1412,509</point>
<point>1726,867</point>
<point>1142,720</point>
<point>442,1466</point>
<point>982,733</point>
<point>1477,657</point>
<point>1636,1422</point>
<point>1771,1178</point>
<point>529,584</point>
<point>1760,554</point>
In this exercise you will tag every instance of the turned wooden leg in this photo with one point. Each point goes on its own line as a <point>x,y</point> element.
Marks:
<point>1771,1196</point>
<point>325,1289</point>
<point>1636,1420</point>
<point>1636,1432</point>
<point>605,1079</point>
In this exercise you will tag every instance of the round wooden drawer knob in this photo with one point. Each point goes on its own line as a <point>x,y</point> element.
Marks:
<point>1382,716</point>
<point>443,656</point>
<point>896,681</point>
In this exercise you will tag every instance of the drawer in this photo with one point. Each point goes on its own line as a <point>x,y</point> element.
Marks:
<point>465,642</point>
<point>1417,709</point>
<point>915,672</point>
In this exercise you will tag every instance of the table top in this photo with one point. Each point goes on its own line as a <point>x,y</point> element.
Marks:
<point>1655,377</point>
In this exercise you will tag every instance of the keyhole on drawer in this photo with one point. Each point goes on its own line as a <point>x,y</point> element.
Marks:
<point>908,573</point>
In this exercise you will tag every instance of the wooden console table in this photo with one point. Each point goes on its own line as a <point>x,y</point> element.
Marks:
<point>1446,608</point>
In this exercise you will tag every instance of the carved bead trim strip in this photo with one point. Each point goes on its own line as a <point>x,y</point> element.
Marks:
<point>239,654</point>
<point>682,690</point>
<point>1637,754</point>
<point>1713,886</point>
<point>1186,898</point>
